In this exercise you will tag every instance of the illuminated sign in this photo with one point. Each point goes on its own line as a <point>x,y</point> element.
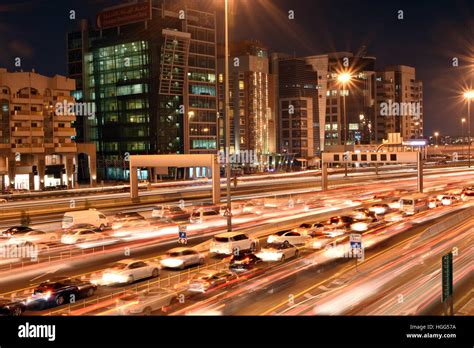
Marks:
<point>127,14</point>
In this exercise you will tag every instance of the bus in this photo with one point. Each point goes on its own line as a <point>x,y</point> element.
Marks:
<point>414,204</point>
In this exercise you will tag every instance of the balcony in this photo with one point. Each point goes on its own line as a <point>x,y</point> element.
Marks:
<point>27,148</point>
<point>20,131</point>
<point>65,147</point>
<point>64,118</point>
<point>64,132</point>
<point>22,115</point>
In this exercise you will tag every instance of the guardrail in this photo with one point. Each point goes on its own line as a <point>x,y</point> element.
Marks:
<point>166,283</point>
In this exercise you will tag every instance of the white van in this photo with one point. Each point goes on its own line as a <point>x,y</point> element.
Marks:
<point>414,204</point>
<point>228,242</point>
<point>90,216</point>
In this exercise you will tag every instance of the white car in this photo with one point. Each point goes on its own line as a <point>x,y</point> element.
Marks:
<point>309,228</point>
<point>128,271</point>
<point>230,242</point>
<point>204,215</point>
<point>35,237</point>
<point>80,235</point>
<point>181,258</point>
<point>278,252</point>
<point>145,302</point>
<point>380,208</point>
<point>319,242</point>
<point>289,236</point>
<point>208,279</point>
<point>449,199</point>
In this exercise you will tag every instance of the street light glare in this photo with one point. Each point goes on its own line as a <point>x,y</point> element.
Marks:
<point>469,94</point>
<point>344,77</point>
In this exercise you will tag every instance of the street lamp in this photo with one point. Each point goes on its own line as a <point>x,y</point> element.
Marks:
<point>436,134</point>
<point>463,120</point>
<point>468,95</point>
<point>228,212</point>
<point>344,78</point>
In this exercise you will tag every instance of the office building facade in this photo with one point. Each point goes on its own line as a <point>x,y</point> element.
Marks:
<point>152,76</point>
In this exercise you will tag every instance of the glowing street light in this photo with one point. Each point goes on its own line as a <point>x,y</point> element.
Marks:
<point>436,134</point>
<point>344,79</point>
<point>468,95</point>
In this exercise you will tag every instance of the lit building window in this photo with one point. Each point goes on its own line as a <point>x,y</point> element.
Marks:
<point>241,85</point>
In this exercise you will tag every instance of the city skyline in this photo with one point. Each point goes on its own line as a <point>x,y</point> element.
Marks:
<point>371,26</point>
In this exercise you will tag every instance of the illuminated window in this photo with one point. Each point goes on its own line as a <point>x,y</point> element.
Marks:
<point>221,78</point>
<point>241,85</point>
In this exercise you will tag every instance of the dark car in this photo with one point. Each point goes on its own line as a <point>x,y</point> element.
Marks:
<point>243,262</point>
<point>342,221</point>
<point>58,291</point>
<point>11,307</point>
<point>16,231</point>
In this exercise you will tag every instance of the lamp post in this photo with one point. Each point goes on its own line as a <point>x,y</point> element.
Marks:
<point>344,79</point>
<point>228,212</point>
<point>436,134</point>
<point>469,95</point>
<point>463,120</point>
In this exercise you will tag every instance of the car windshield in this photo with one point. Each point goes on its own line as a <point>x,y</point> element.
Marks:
<point>407,201</point>
<point>131,297</point>
<point>305,225</point>
<point>275,246</point>
<point>221,239</point>
<point>67,219</point>
<point>196,214</point>
<point>120,266</point>
<point>175,253</point>
<point>281,233</point>
<point>202,276</point>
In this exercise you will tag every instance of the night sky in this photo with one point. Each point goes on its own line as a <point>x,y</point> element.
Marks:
<point>430,35</point>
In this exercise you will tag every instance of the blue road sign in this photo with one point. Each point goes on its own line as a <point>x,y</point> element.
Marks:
<point>356,245</point>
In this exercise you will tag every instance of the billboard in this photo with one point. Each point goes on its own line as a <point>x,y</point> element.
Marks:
<point>117,16</point>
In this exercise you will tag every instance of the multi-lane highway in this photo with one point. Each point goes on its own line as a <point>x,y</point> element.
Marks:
<point>319,276</point>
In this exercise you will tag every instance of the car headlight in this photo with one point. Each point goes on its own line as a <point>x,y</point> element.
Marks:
<point>271,239</point>
<point>172,263</point>
<point>113,278</point>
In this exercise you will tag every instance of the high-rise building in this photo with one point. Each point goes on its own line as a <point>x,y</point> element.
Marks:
<point>360,97</point>
<point>298,105</point>
<point>399,102</point>
<point>37,149</point>
<point>250,84</point>
<point>150,68</point>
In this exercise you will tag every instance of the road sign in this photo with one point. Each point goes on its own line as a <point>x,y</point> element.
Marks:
<point>356,245</point>
<point>354,237</point>
<point>447,276</point>
<point>182,236</point>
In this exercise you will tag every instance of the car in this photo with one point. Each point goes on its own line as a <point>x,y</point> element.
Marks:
<point>394,203</point>
<point>243,262</point>
<point>208,279</point>
<point>80,235</point>
<point>363,214</point>
<point>58,291</point>
<point>11,307</point>
<point>433,202</point>
<point>467,193</point>
<point>204,215</point>
<point>449,199</point>
<point>90,216</point>
<point>290,236</point>
<point>380,208</point>
<point>232,242</point>
<point>3,201</point>
<point>309,228</point>
<point>252,208</point>
<point>16,231</point>
<point>342,221</point>
<point>125,220</point>
<point>145,302</point>
<point>35,237</point>
<point>320,242</point>
<point>170,213</point>
<point>129,270</point>
<point>278,251</point>
<point>395,216</point>
<point>181,258</point>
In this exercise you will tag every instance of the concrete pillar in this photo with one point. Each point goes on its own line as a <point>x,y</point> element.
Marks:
<point>41,172</point>
<point>11,173</point>
<point>420,172</point>
<point>69,171</point>
<point>93,170</point>
<point>216,181</point>
<point>133,182</point>
<point>31,181</point>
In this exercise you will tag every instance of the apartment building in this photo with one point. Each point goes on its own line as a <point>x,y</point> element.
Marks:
<point>399,102</point>
<point>37,149</point>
